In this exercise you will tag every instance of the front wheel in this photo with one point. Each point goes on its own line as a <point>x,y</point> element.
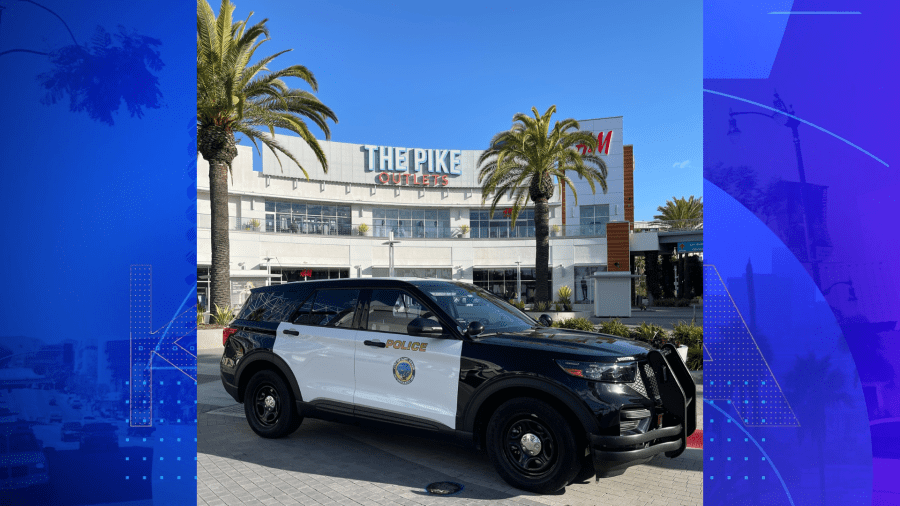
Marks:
<point>532,446</point>
<point>269,406</point>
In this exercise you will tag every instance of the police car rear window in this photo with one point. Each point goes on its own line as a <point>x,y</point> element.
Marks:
<point>272,306</point>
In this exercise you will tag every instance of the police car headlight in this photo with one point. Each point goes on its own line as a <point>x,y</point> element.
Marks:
<point>624,372</point>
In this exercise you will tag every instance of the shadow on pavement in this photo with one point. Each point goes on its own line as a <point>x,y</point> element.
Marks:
<point>321,448</point>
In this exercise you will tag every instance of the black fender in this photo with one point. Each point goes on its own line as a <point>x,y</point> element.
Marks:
<point>271,359</point>
<point>545,385</point>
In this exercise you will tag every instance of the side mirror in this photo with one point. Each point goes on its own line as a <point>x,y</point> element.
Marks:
<point>545,320</point>
<point>474,329</point>
<point>424,327</point>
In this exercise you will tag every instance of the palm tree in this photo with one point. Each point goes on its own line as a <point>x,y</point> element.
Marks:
<point>816,388</point>
<point>521,164</point>
<point>234,95</point>
<point>682,213</point>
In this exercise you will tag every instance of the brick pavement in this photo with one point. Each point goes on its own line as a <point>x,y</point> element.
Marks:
<point>328,463</point>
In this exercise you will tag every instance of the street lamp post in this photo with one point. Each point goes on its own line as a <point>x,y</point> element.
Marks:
<point>792,123</point>
<point>519,280</point>
<point>391,242</point>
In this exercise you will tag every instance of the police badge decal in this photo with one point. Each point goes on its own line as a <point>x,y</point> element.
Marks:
<point>404,370</point>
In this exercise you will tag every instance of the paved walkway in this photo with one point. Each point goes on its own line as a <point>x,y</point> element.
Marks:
<point>326,463</point>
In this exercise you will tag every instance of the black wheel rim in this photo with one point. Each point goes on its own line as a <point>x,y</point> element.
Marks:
<point>523,458</point>
<point>267,405</point>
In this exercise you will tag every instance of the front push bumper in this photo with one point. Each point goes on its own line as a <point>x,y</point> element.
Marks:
<point>678,396</point>
<point>613,454</point>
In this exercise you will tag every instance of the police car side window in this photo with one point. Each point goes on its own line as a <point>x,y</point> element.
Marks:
<point>392,310</point>
<point>333,308</point>
<point>301,317</point>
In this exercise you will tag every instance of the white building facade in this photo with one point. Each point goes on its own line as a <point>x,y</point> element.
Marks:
<point>286,228</point>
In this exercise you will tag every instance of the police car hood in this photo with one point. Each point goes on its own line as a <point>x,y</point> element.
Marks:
<point>571,341</point>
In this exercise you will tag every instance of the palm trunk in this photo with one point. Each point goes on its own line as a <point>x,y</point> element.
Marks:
<point>220,273</point>
<point>217,145</point>
<point>542,252</point>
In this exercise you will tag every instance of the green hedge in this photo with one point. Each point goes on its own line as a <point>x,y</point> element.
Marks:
<point>575,324</point>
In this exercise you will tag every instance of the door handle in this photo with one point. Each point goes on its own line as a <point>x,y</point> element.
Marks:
<point>377,344</point>
<point>292,332</point>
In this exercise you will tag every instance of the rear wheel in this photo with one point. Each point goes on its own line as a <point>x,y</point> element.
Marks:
<point>269,406</point>
<point>532,446</point>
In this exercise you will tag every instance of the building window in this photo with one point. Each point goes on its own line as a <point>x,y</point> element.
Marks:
<point>483,226</point>
<point>413,272</point>
<point>411,222</point>
<point>203,287</point>
<point>307,218</point>
<point>291,275</point>
<point>594,219</point>
<point>502,282</point>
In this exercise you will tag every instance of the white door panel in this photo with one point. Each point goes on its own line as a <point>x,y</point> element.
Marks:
<point>321,359</point>
<point>431,390</point>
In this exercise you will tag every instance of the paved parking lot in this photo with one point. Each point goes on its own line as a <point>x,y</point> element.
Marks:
<point>326,463</point>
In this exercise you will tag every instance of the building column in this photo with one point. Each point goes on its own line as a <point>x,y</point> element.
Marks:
<point>631,261</point>
<point>651,265</point>
<point>667,277</point>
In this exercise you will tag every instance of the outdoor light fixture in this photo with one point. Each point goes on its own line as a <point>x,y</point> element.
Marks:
<point>851,293</point>
<point>734,134</point>
<point>778,116</point>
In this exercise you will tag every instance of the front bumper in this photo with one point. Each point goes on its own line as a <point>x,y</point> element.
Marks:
<point>677,394</point>
<point>613,454</point>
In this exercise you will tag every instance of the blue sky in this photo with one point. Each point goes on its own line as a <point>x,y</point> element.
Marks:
<point>435,74</point>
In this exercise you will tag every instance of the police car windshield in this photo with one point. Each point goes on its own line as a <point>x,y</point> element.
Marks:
<point>467,304</point>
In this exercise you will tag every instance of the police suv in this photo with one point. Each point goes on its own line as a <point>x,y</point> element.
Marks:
<point>550,406</point>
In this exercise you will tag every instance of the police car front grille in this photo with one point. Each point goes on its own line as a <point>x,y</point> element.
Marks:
<point>645,384</point>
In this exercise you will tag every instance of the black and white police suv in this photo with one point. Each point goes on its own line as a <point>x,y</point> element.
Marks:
<point>550,406</point>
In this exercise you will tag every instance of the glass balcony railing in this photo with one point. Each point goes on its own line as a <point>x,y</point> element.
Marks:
<point>309,226</point>
<point>342,227</point>
<point>415,232</point>
<point>526,230</point>
<point>695,224</point>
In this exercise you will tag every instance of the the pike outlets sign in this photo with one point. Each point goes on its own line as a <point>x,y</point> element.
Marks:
<point>405,165</point>
<point>396,165</point>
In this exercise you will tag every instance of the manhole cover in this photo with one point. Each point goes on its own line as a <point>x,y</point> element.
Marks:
<point>443,488</point>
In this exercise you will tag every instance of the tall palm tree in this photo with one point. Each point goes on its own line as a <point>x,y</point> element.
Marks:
<point>234,95</point>
<point>522,162</point>
<point>682,213</point>
<point>816,388</point>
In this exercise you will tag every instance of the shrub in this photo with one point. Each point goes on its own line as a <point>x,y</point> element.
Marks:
<point>575,324</point>
<point>557,306</point>
<point>363,228</point>
<point>615,328</point>
<point>463,229</point>
<point>688,334</point>
<point>223,316</point>
<point>565,295</point>
<point>519,305</point>
<point>647,332</point>
<point>200,311</point>
<point>540,307</point>
<point>695,358</point>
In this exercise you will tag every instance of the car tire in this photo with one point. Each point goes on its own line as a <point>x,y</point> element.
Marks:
<point>587,470</point>
<point>532,446</point>
<point>269,406</point>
